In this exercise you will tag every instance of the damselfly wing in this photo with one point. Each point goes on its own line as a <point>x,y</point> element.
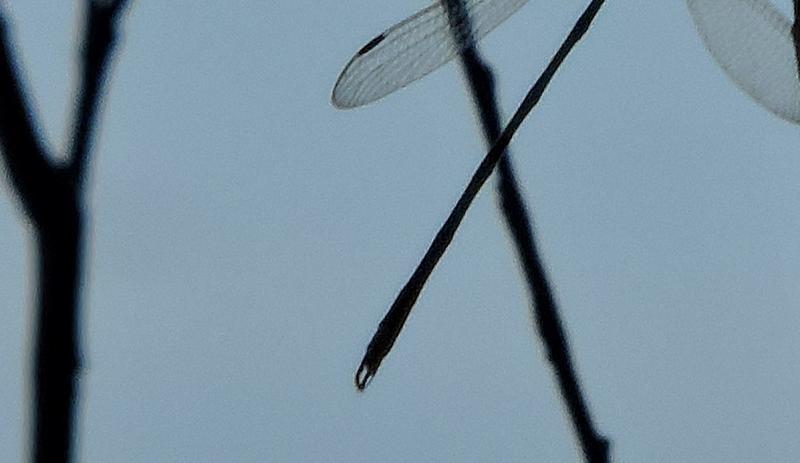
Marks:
<point>414,48</point>
<point>750,39</point>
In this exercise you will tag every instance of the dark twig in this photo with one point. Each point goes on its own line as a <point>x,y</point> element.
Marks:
<point>390,326</point>
<point>50,195</point>
<point>23,153</point>
<point>99,41</point>
<point>796,34</point>
<point>545,310</point>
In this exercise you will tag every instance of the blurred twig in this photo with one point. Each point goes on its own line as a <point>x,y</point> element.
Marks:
<point>796,34</point>
<point>51,197</point>
<point>545,310</point>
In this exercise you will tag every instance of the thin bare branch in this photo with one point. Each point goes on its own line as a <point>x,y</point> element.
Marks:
<point>99,40</point>
<point>796,34</point>
<point>544,307</point>
<point>25,158</point>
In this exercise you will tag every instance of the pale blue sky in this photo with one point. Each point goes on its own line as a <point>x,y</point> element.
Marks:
<point>247,237</point>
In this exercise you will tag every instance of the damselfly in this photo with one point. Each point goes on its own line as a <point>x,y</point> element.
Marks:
<point>750,39</point>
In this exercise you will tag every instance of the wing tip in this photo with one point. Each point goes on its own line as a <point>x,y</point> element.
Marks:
<point>341,98</point>
<point>779,24</point>
<point>341,102</point>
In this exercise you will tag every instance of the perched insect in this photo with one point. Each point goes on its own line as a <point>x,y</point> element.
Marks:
<point>750,39</point>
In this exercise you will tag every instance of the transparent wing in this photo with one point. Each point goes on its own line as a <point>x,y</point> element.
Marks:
<point>412,49</point>
<point>752,41</point>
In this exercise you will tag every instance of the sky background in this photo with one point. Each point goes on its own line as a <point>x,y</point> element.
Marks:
<point>246,238</point>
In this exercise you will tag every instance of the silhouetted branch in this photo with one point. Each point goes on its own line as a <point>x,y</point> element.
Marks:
<point>50,194</point>
<point>796,34</point>
<point>99,41</point>
<point>23,153</point>
<point>545,310</point>
<point>391,325</point>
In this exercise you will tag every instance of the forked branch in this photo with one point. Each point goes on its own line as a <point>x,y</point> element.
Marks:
<point>51,196</point>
